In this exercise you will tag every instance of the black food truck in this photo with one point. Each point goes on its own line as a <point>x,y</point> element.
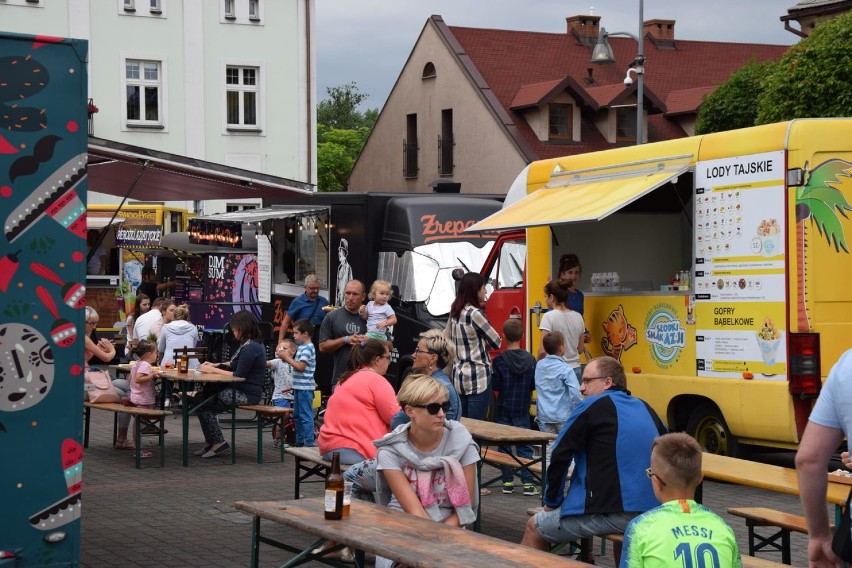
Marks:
<point>412,241</point>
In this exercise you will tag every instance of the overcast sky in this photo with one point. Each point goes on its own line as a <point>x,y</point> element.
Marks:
<point>368,41</point>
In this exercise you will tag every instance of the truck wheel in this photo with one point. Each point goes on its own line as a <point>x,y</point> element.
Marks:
<point>707,425</point>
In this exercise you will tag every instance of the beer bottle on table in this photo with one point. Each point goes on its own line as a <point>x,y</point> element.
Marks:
<point>334,490</point>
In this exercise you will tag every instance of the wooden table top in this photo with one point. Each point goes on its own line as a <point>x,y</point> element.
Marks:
<point>764,476</point>
<point>173,375</point>
<point>404,538</point>
<point>484,431</point>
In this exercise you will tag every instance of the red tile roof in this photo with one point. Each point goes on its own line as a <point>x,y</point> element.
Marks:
<point>686,101</point>
<point>517,65</point>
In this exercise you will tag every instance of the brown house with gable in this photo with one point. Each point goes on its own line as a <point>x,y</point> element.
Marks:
<point>474,106</point>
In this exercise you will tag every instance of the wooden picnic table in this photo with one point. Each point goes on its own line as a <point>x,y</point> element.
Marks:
<point>187,408</point>
<point>404,538</point>
<point>764,476</point>
<point>494,434</point>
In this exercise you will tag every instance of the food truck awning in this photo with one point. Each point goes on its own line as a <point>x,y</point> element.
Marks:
<point>586,195</point>
<point>99,222</point>
<point>264,214</point>
<point>114,168</point>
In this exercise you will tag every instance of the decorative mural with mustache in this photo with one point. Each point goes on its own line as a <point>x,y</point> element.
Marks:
<point>42,152</point>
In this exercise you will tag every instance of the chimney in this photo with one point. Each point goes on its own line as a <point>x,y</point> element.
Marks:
<point>659,29</point>
<point>584,28</point>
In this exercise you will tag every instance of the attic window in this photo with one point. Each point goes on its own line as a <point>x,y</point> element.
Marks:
<point>429,71</point>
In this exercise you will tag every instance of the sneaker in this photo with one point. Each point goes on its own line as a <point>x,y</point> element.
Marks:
<point>508,487</point>
<point>530,489</point>
<point>201,451</point>
<point>276,443</point>
<point>223,449</point>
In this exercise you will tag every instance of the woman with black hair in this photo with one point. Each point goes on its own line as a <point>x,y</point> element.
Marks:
<point>472,335</point>
<point>249,363</point>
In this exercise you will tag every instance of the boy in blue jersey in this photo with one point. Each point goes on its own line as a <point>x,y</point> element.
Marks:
<point>304,365</point>
<point>680,531</point>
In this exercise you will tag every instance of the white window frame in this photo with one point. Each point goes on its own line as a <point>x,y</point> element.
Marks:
<point>155,6</point>
<point>128,5</point>
<point>28,3</point>
<point>258,88</point>
<point>229,13</point>
<point>162,89</point>
<point>254,6</point>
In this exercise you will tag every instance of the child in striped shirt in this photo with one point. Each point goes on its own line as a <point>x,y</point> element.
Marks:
<point>304,365</point>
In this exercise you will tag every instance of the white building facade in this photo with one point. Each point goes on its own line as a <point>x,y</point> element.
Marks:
<point>225,81</point>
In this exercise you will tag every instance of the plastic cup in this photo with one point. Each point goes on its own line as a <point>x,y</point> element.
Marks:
<point>347,497</point>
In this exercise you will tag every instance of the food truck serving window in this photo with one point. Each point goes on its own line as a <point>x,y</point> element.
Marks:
<point>589,195</point>
<point>425,274</point>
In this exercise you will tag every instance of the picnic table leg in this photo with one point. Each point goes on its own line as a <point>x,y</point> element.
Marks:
<point>184,411</point>
<point>137,439</point>
<point>477,524</point>
<point>255,546</point>
<point>543,469</point>
<point>233,424</point>
<point>260,421</point>
<point>87,412</point>
<point>298,476</point>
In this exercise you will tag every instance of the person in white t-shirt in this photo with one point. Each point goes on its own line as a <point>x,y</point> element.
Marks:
<point>563,319</point>
<point>145,323</point>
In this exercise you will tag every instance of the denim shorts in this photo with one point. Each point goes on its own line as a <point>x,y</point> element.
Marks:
<point>553,527</point>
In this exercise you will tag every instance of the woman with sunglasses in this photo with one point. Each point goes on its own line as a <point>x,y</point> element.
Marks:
<point>361,407</point>
<point>428,466</point>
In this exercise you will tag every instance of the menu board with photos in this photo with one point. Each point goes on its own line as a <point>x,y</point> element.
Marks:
<point>739,244</point>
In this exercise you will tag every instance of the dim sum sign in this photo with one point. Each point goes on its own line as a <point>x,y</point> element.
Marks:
<point>216,233</point>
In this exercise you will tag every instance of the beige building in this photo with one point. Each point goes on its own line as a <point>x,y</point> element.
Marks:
<point>474,106</point>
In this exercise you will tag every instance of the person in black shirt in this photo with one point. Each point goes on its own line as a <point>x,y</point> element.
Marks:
<point>149,285</point>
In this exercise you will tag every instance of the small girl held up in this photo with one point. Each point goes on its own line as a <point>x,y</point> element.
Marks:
<point>142,377</point>
<point>378,313</point>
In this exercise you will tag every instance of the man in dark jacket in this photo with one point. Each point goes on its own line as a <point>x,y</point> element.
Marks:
<point>609,437</point>
<point>513,383</point>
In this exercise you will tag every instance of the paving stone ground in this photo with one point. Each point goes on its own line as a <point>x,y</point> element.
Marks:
<point>177,516</point>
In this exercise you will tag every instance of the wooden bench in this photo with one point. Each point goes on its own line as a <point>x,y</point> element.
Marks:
<point>492,457</point>
<point>150,417</point>
<point>763,517</point>
<point>309,463</point>
<point>268,415</point>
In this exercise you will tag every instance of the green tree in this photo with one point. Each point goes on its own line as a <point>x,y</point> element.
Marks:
<point>340,109</point>
<point>733,104</point>
<point>813,78</point>
<point>342,131</point>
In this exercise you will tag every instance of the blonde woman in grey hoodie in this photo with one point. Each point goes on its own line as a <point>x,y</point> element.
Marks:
<point>177,334</point>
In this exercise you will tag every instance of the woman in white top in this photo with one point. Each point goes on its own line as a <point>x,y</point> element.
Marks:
<point>565,320</point>
<point>143,304</point>
<point>177,333</point>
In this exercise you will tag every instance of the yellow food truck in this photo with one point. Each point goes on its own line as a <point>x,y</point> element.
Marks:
<point>715,268</point>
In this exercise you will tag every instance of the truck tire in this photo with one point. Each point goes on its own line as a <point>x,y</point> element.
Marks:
<point>707,425</point>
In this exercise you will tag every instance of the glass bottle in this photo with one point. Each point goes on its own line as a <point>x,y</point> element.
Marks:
<point>334,490</point>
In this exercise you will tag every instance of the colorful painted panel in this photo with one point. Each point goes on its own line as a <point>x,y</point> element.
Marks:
<point>43,128</point>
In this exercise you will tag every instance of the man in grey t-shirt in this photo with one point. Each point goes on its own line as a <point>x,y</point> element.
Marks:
<point>343,328</point>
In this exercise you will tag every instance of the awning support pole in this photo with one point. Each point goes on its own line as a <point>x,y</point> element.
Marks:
<point>115,213</point>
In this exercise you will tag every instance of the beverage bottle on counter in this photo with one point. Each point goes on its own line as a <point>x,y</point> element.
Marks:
<point>334,490</point>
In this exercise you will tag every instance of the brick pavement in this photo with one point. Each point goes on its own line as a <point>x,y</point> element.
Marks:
<point>179,516</point>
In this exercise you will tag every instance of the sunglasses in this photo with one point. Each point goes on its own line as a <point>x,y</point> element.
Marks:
<point>433,407</point>
<point>651,474</point>
<point>587,380</point>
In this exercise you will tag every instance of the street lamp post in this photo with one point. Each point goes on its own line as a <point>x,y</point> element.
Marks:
<point>602,53</point>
